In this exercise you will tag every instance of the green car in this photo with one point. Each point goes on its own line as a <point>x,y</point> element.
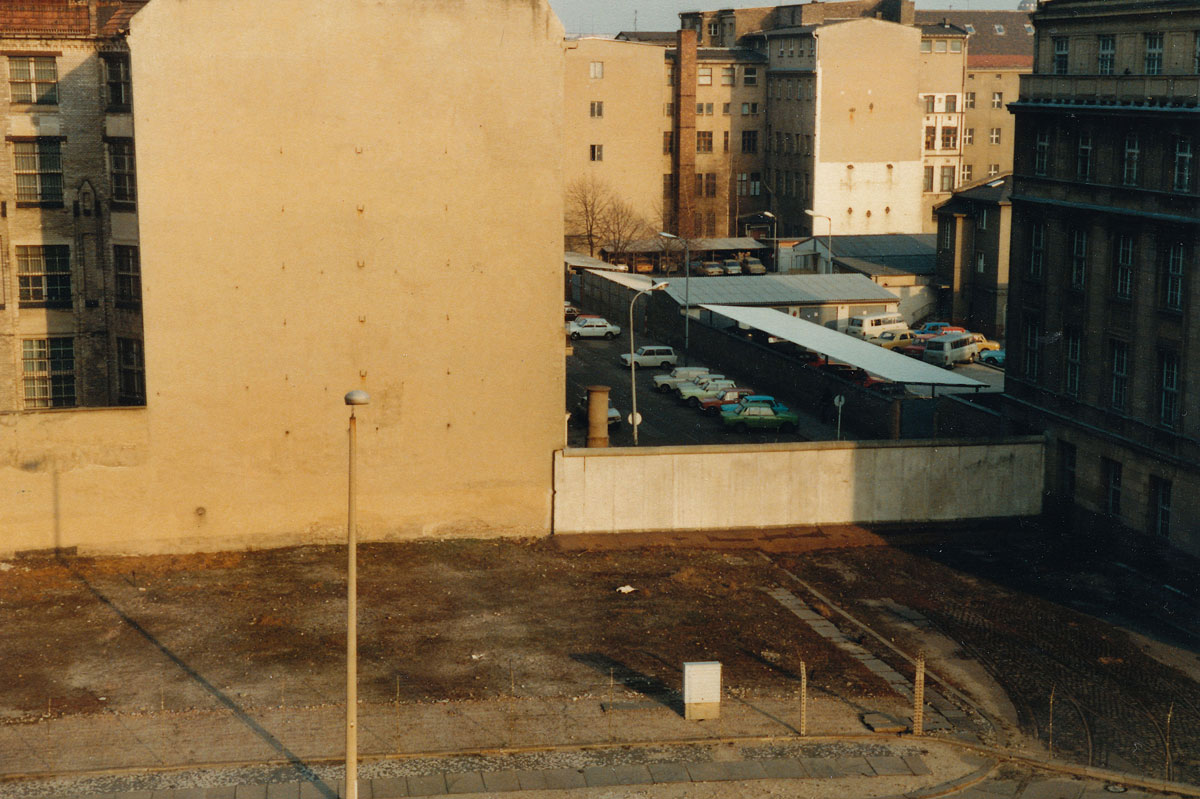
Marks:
<point>759,417</point>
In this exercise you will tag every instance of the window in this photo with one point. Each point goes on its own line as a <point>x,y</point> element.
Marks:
<point>788,143</point>
<point>670,74</point>
<point>749,109</point>
<point>1062,50</point>
<point>120,164</point>
<point>967,169</point>
<point>939,45</point>
<point>949,138</point>
<point>38,168</point>
<point>1041,152</point>
<point>116,72</point>
<point>997,99</point>
<point>1074,361</point>
<point>699,184</point>
<point>131,368</point>
<point>927,184</point>
<point>710,184</point>
<point>725,144</point>
<point>704,76</point>
<point>1083,157</point>
<point>749,141</point>
<point>1182,173</point>
<point>1173,278</point>
<point>743,181</point>
<point>930,137</point>
<point>668,142</point>
<point>969,28</point>
<point>1112,486</point>
<point>704,141</point>
<point>1154,53</point>
<point>1078,258</point>
<point>596,69</point>
<point>1168,388</point>
<point>1028,28</point>
<point>597,108</point>
<point>981,219</point>
<point>1123,271</point>
<point>926,46</point>
<point>968,136</point>
<point>1106,52</point>
<point>994,136</point>
<point>33,79</point>
<point>750,76</point>
<point>597,152</point>
<point>1037,249</point>
<point>956,46</point>
<point>980,263</point>
<point>951,104</point>
<point>728,74</point>
<point>714,29</point>
<point>48,369</point>
<point>1120,374</point>
<point>969,100</point>
<point>44,276</point>
<point>668,109</point>
<point>1032,356</point>
<point>1160,506</point>
<point>993,170</point>
<point>947,178</point>
<point>128,273</point>
<point>999,29</point>
<point>1129,165</point>
<point>755,184</point>
<point>699,109</point>
<point>946,228</point>
<point>929,103</point>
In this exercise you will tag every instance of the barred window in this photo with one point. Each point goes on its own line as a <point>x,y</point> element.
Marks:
<point>38,169</point>
<point>120,162</point>
<point>48,369</point>
<point>44,275</point>
<point>131,363</point>
<point>129,273</point>
<point>33,79</point>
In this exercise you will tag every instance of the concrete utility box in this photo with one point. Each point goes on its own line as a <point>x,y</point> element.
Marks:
<point>702,690</point>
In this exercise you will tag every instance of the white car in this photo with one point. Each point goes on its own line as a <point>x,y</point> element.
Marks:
<point>592,327</point>
<point>680,374</point>
<point>653,355</point>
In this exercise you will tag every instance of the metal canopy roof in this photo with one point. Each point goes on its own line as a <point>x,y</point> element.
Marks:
<point>841,347</point>
<point>779,290</point>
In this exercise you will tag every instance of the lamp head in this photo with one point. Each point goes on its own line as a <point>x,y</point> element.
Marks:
<point>357,397</point>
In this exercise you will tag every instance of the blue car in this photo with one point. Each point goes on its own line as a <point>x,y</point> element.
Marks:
<point>993,357</point>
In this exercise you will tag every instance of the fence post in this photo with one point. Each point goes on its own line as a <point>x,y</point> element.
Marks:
<point>803,698</point>
<point>919,697</point>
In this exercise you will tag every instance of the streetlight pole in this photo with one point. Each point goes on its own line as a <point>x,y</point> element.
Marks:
<point>775,237</point>
<point>353,398</point>
<point>829,238</point>
<point>634,419</point>
<point>687,295</point>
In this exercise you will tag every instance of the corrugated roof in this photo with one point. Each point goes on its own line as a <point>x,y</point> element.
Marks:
<point>581,261</point>
<point>778,290</point>
<point>657,244</point>
<point>884,244</point>
<point>841,347</point>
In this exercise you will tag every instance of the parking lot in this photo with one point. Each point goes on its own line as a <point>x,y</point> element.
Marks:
<point>665,421</point>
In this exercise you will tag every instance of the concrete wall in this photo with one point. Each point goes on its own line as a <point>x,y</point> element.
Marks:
<point>666,488</point>
<point>323,210</point>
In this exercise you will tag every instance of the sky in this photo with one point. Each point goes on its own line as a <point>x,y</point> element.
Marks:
<point>606,17</point>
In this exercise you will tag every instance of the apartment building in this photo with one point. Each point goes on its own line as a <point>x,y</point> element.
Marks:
<point>1106,236</point>
<point>940,70</point>
<point>999,51</point>
<point>974,228</point>
<point>70,283</point>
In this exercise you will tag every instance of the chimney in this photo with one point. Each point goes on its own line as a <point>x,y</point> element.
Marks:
<point>684,158</point>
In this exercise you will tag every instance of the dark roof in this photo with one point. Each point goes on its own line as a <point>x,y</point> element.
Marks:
<point>65,18</point>
<point>911,253</point>
<point>865,267</point>
<point>725,54</point>
<point>939,29</point>
<point>651,37</point>
<point>985,46</point>
<point>993,191</point>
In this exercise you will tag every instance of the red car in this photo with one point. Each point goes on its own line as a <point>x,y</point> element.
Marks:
<point>912,350</point>
<point>713,405</point>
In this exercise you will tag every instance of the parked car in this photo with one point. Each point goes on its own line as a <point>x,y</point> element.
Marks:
<point>579,416</point>
<point>759,417</point>
<point>757,399</point>
<point>651,355</point>
<point>680,374</point>
<point>753,266</point>
<point>983,343</point>
<point>914,350</point>
<point>731,266</point>
<point>949,349</point>
<point>993,357</point>
<point>872,325</point>
<point>569,312</point>
<point>592,327</point>
<point>891,339</point>
<point>729,396</point>
<point>709,269</point>
<point>931,329</point>
<point>692,393</point>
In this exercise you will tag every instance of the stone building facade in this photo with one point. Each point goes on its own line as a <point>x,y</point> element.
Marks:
<point>974,228</point>
<point>70,284</point>
<point>1106,239</point>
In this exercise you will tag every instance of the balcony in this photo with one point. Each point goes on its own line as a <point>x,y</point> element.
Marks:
<point>1144,91</point>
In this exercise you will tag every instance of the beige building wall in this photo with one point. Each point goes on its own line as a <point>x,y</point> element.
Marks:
<point>631,87</point>
<point>988,123</point>
<point>940,79</point>
<point>867,173</point>
<point>306,232</point>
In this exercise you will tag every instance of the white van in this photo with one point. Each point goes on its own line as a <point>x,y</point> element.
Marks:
<point>870,326</point>
<point>951,348</point>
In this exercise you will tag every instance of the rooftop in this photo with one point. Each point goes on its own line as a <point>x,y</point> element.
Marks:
<point>996,38</point>
<point>65,18</point>
<point>773,290</point>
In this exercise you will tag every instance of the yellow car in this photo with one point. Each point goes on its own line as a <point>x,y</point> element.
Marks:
<point>890,339</point>
<point>983,343</point>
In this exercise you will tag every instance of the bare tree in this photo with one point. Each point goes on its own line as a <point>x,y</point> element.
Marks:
<point>587,205</point>
<point>621,226</point>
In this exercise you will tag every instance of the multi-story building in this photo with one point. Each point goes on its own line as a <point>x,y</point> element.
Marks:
<point>70,283</point>
<point>974,228</point>
<point>999,51</point>
<point>1106,235</point>
<point>941,66</point>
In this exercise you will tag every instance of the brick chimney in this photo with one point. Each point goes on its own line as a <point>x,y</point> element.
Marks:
<point>684,159</point>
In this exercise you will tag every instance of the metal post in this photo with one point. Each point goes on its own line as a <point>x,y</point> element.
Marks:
<point>352,398</point>
<point>1051,724</point>
<point>803,698</point>
<point>919,697</point>
<point>633,417</point>
<point>1167,741</point>
<point>687,301</point>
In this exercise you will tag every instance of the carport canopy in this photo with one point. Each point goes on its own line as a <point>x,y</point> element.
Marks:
<point>841,347</point>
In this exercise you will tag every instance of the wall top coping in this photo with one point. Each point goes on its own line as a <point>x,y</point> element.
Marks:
<point>799,446</point>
